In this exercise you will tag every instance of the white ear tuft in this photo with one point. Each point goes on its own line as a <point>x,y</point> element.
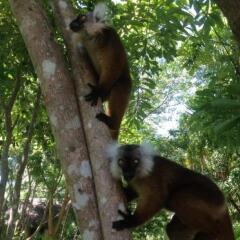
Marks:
<point>112,150</point>
<point>100,11</point>
<point>112,154</point>
<point>147,153</point>
<point>147,149</point>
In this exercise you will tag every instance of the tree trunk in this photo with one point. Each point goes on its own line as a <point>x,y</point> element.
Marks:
<point>231,11</point>
<point>23,164</point>
<point>9,126</point>
<point>63,112</point>
<point>97,134</point>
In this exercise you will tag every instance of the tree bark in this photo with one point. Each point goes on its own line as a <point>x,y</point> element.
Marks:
<point>63,112</point>
<point>231,11</point>
<point>97,134</point>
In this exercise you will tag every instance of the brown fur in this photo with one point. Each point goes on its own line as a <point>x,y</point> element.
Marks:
<point>200,210</point>
<point>108,57</point>
<point>110,62</point>
<point>196,200</point>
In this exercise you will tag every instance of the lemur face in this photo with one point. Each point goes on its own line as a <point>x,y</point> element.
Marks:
<point>77,24</point>
<point>130,161</point>
<point>92,22</point>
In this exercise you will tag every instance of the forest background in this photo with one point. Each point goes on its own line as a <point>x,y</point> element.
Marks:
<point>184,61</point>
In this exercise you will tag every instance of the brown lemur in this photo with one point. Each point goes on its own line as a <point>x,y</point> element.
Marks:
<point>107,54</point>
<point>199,207</point>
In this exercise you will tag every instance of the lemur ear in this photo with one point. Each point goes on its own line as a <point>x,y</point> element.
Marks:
<point>112,150</point>
<point>147,149</point>
<point>112,154</point>
<point>147,159</point>
<point>99,12</point>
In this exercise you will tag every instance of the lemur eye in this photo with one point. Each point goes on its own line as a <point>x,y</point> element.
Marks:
<point>136,161</point>
<point>120,161</point>
<point>81,18</point>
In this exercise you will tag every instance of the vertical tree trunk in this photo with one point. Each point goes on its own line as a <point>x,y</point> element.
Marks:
<point>18,181</point>
<point>97,134</point>
<point>63,112</point>
<point>9,126</point>
<point>231,11</point>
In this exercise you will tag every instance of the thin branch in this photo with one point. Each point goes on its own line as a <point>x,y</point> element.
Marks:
<point>12,98</point>
<point>156,108</point>
<point>23,163</point>
<point>4,170</point>
<point>65,205</point>
<point>30,133</point>
<point>42,222</point>
<point>234,204</point>
<point>15,122</point>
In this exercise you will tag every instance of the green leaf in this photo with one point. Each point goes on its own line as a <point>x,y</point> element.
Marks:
<point>224,103</point>
<point>234,89</point>
<point>227,125</point>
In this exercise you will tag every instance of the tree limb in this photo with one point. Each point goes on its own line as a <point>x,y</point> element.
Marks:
<point>97,134</point>
<point>62,108</point>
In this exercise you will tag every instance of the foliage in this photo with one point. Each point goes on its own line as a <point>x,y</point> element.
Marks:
<point>181,54</point>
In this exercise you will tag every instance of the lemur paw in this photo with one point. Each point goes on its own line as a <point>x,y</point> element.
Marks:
<point>123,214</point>
<point>93,95</point>
<point>104,118</point>
<point>101,117</point>
<point>119,225</point>
<point>124,223</point>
